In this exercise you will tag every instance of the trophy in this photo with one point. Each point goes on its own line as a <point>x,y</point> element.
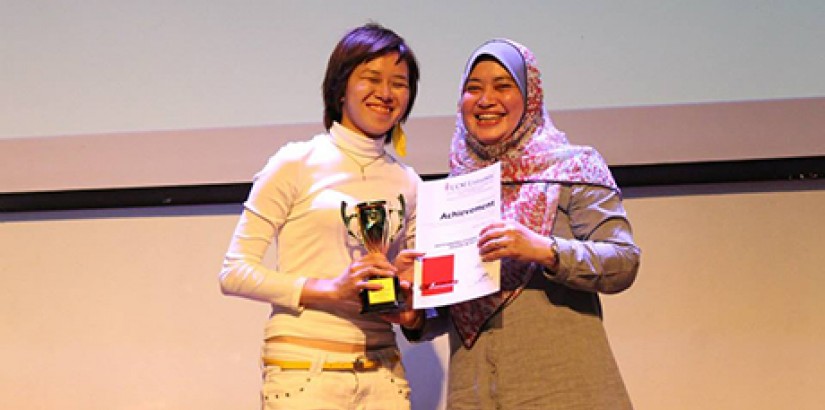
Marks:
<point>377,227</point>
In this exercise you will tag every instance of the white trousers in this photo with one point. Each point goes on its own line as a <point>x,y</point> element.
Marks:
<point>384,388</point>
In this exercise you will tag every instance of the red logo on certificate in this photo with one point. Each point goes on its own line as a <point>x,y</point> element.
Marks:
<point>437,275</point>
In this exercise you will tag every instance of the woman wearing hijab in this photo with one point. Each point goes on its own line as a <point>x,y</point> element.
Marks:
<point>319,350</point>
<point>564,237</point>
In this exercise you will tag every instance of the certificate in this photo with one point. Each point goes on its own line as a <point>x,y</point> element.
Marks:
<point>450,213</point>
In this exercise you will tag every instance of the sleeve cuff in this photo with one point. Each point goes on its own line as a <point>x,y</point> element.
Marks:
<point>297,290</point>
<point>563,250</point>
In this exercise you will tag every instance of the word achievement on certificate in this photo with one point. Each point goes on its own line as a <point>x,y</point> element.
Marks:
<point>450,215</point>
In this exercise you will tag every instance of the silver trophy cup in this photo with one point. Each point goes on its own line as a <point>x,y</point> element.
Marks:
<point>376,227</point>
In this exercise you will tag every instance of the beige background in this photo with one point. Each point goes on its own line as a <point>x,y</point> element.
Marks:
<point>121,309</point>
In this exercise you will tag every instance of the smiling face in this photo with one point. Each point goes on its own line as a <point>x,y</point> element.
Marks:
<point>491,103</point>
<point>376,96</point>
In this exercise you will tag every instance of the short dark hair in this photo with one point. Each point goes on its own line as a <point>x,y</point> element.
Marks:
<point>363,44</point>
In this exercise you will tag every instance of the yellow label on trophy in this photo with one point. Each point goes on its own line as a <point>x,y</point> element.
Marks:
<point>385,295</point>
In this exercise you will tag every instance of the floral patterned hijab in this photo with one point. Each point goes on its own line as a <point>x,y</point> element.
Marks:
<point>535,160</point>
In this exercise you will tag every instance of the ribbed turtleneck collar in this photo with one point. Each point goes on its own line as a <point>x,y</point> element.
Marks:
<point>354,142</point>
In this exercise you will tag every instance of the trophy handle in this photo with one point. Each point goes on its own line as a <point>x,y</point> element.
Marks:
<point>401,215</point>
<point>346,218</point>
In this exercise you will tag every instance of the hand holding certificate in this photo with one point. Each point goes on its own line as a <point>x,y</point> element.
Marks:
<point>451,213</point>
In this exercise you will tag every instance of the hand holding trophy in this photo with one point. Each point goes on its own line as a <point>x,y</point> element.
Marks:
<point>376,229</point>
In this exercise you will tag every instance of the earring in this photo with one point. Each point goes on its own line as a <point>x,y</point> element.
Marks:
<point>399,140</point>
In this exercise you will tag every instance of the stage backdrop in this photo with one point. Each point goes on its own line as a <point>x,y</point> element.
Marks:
<point>120,308</point>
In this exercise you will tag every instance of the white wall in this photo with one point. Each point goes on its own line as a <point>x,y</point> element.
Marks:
<point>121,309</point>
<point>80,67</point>
<point>726,312</point>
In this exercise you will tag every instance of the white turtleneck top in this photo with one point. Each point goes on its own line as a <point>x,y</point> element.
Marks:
<point>294,207</point>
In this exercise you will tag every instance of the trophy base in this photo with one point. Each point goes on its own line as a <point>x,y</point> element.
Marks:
<point>382,308</point>
<point>390,299</point>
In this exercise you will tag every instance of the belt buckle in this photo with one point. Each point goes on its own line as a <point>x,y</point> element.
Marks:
<point>359,364</point>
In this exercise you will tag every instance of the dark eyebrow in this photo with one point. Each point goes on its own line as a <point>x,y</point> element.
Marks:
<point>499,79</point>
<point>370,72</point>
<point>504,78</point>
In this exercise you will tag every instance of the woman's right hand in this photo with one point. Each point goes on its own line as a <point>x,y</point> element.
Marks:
<point>355,279</point>
<point>345,288</point>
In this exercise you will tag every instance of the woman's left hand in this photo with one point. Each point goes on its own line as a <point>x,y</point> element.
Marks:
<point>510,239</point>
